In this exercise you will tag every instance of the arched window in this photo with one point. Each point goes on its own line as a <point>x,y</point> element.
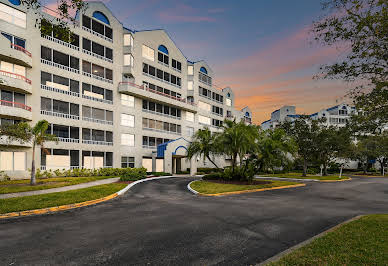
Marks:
<point>228,94</point>
<point>344,107</point>
<point>203,70</point>
<point>15,2</point>
<point>101,17</point>
<point>247,114</point>
<point>163,49</point>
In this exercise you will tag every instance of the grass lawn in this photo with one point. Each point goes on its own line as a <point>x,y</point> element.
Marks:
<point>58,198</point>
<point>13,186</point>
<point>361,242</point>
<point>299,176</point>
<point>206,187</point>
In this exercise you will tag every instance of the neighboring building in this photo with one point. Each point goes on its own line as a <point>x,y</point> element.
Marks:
<point>114,97</point>
<point>337,115</point>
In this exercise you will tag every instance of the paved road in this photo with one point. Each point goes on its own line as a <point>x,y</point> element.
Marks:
<point>60,189</point>
<point>160,222</point>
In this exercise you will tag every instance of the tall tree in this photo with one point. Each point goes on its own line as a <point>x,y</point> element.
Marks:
<point>36,135</point>
<point>362,27</point>
<point>304,131</point>
<point>203,144</point>
<point>274,149</point>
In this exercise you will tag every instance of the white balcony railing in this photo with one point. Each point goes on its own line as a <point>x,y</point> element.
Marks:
<point>96,99</point>
<point>51,113</point>
<point>96,77</point>
<point>95,120</point>
<point>97,55</point>
<point>68,140</point>
<point>48,88</point>
<point>97,34</point>
<point>61,42</point>
<point>46,62</point>
<point>97,142</point>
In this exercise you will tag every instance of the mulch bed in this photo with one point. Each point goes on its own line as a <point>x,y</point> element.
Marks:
<point>236,182</point>
<point>124,182</point>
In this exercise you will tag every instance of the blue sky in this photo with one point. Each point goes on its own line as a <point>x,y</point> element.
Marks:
<point>261,48</point>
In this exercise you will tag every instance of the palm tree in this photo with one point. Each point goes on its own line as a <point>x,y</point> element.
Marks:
<point>203,144</point>
<point>36,135</point>
<point>237,140</point>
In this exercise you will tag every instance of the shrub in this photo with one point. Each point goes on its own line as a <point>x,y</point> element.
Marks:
<point>132,174</point>
<point>213,176</point>
<point>159,174</point>
<point>207,170</point>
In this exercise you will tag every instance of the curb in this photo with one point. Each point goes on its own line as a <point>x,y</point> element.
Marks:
<point>371,176</point>
<point>306,242</point>
<point>330,181</point>
<point>286,178</point>
<point>76,205</point>
<point>240,192</point>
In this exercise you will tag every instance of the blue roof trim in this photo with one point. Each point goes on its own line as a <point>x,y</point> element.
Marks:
<point>314,114</point>
<point>269,120</point>
<point>332,108</point>
<point>275,111</point>
<point>163,49</point>
<point>162,147</point>
<point>295,116</point>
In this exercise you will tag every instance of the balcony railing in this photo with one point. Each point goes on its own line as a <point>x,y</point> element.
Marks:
<point>15,76</point>
<point>96,77</point>
<point>97,55</point>
<point>15,105</point>
<point>96,99</point>
<point>68,140</point>
<point>61,42</point>
<point>51,113</point>
<point>21,49</point>
<point>156,92</point>
<point>97,34</point>
<point>48,88</point>
<point>95,120</point>
<point>97,142</point>
<point>44,61</point>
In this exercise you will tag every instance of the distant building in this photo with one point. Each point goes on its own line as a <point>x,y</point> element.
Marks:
<point>337,115</point>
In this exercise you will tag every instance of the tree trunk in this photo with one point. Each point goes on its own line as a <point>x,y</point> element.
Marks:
<point>325,169</point>
<point>381,167</point>
<point>33,180</point>
<point>208,157</point>
<point>304,168</point>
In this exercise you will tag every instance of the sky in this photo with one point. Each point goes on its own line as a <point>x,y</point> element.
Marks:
<point>262,49</point>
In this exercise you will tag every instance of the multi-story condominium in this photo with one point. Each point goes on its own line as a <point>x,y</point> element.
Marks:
<point>114,97</point>
<point>337,115</point>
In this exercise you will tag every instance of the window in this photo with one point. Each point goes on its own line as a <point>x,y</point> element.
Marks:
<point>205,78</point>
<point>217,110</point>
<point>15,40</point>
<point>127,100</point>
<point>128,60</point>
<point>13,68</point>
<point>128,140</point>
<point>204,120</point>
<point>101,17</point>
<point>12,15</point>
<point>228,102</point>
<point>128,40</point>
<point>190,70</point>
<point>96,26</point>
<point>204,106</point>
<point>12,161</point>
<point>190,131</point>
<point>127,162</point>
<point>163,54</point>
<point>189,116</point>
<point>190,85</point>
<point>176,65</point>
<point>148,52</point>
<point>127,120</point>
<point>216,123</point>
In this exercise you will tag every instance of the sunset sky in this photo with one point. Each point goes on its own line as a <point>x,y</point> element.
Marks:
<point>260,48</point>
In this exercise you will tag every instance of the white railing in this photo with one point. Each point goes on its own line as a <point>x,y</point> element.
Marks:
<point>51,113</point>
<point>44,61</point>
<point>97,34</point>
<point>97,55</point>
<point>48,88</point>
<point>68,140</point>
<point>162,80</point>
<point>96,77</point>
<point>149,147</point>
<point>162,114</point>
<point>214,113</point>
<point>162,131</point>
<point>61,42</point>
<point>97,142</point>
<point>105,122</point>
<point>96,99</point>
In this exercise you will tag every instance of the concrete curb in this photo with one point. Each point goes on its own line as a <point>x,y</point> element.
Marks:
<point>331,181</point>
<point>240,192</point>
<point>76,205</point>
<point>284,178</point>
<point>306,242</point>
<point>371,176</point>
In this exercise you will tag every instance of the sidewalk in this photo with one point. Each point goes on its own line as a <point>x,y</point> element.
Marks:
<point>59,189</point>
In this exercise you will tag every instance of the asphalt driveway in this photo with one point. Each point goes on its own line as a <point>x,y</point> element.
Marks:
<point>160,222</point>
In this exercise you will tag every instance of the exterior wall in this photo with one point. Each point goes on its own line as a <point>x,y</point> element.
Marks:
<point>31,86</point>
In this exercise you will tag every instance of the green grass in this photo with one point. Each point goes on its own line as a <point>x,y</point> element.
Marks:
<point>206,187</point>
<point>299,176</point>
<point>58,198</point>
<point>361,242</point>
<point>13,186</point>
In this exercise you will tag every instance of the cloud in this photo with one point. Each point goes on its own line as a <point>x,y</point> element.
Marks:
<point>183,13</point>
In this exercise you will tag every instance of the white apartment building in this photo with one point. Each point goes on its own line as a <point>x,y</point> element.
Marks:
<point>115,97</point>
<point>337,115</point>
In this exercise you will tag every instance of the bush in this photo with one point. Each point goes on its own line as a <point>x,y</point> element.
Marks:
<point>213,176</point>
<point>207,170</point>
<point>132,174</point>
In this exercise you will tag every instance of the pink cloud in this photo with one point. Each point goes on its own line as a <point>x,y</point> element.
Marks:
<point>183,13</point>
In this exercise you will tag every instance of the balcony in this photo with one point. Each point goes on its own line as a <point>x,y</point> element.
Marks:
<point>97,142</point>
<point>128,70</point>
<point>15,82</point>
<point>156,96</point>
<point>15,110</point>
<point>5,141</point>
<point>14,53</point>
